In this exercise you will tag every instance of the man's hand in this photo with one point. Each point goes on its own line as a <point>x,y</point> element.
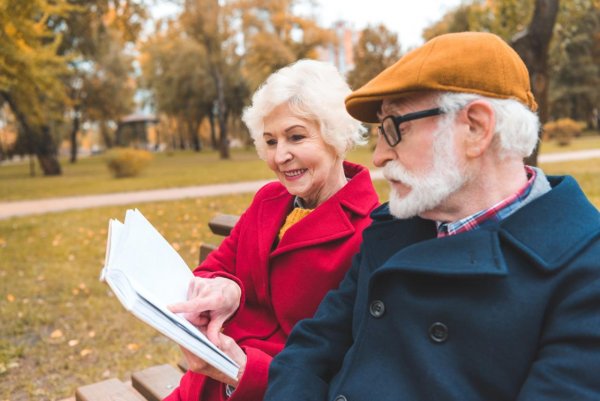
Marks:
<point>211,301</point>
<point>230,347</point>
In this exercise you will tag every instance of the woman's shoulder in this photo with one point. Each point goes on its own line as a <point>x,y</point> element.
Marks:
<point>271,190</point>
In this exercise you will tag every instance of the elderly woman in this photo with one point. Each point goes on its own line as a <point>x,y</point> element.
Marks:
<point>296,240</point>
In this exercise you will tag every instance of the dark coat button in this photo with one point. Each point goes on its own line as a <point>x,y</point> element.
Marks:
<point>340,398</point>
<point>438,332</point>
<point>377,309</point>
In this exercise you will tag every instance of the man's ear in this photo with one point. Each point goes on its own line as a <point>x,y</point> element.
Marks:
<point>481,120</point>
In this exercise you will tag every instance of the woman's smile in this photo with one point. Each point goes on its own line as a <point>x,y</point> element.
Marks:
<point>294,174</point>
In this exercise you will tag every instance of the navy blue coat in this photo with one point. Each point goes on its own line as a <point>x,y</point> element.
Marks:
<point>506,312</point>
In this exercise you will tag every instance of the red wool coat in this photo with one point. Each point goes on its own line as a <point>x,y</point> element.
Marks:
<point>284,283</point>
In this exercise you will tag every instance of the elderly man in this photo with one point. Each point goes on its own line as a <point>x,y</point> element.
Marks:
<point>480,279</point>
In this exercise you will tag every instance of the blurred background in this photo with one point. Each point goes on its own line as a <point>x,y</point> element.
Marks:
<point>106,96</point>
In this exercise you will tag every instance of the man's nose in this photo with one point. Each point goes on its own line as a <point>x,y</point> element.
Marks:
<point>383,152</point>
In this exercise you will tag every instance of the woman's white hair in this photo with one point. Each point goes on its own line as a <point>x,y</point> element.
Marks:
<point>314,90</point>
<point>517,127</point>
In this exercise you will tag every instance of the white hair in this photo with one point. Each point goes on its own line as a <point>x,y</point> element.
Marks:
<point>314,90</point>
<point>516,129</point>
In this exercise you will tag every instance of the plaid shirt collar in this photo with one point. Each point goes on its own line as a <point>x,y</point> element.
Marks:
<point>497,212</point>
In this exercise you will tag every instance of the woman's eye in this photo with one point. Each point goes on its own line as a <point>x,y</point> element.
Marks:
<point>271,142</point>
<point>297,137</point>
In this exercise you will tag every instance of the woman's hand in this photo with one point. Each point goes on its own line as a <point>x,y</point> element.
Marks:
<point>211,301</point>
<point>231,348</point>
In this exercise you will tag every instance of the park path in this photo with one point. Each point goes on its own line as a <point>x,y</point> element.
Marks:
<point>40,206</point>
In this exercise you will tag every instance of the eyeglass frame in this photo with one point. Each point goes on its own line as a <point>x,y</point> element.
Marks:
<point>405,118</point>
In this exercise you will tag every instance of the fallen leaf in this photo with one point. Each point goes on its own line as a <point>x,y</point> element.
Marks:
<point>92,334</point>
<point>175,246</point>
<point>56,334</point>
<point>73,343</point>
<point>85,352</point>
<point>10,298</point>
<point>133,347</point>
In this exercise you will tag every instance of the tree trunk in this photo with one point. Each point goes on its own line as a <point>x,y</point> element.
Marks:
<point>105,135</point>
<point>46,153</point>
<point>213,131</point>
<point>532,45</point>
<point>222,114</point>
<point>74,131</point>
<point>193,134</point>
<point>40,138</point>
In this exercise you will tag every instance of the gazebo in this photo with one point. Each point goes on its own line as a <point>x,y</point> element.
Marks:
<point>132,130</point>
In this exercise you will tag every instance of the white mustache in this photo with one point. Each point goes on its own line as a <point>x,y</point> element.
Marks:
<point>394,171</point>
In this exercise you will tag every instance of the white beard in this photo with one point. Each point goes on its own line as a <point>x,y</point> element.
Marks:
<point>429,191</point>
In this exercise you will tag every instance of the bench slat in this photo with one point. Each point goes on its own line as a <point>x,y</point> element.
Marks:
<point>156,382</point>
<point>111,389</point>
<point>205,249</point>
<point>222,224</point>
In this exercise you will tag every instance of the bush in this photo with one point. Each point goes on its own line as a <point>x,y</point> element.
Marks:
<point>127,162</point>
<point>563,130</point>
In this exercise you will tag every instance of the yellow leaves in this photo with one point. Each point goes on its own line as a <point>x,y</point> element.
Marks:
<point>85,352</point>
<point>10,298</point>
<point>80,289</point>
<point>133,347</point>
<point>56,334</point>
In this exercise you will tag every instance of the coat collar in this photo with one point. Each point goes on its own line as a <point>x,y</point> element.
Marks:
<point>328,222</point>
<point>556,227</point>
<point>549,231</point>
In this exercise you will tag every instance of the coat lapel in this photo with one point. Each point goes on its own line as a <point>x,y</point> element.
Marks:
<point>474,253</point>
<point>326,223</point>
<point>271,214</point>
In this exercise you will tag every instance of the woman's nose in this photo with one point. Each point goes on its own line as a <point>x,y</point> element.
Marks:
<point>282,154</point>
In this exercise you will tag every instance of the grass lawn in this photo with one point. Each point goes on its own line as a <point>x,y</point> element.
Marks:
<point>168,170</point>
<point>62,328</point>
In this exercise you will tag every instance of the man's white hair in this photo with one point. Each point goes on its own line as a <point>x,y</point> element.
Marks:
<point>517,128</point>
<point>314,90</point>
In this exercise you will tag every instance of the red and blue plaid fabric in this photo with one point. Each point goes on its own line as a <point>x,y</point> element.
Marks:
<point>497,212</point>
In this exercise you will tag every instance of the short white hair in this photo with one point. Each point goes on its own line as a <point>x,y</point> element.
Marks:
<point>517,127</point>
<point>314,90</point>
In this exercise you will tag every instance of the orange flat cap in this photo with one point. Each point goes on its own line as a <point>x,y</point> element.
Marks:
<point>465,62</point>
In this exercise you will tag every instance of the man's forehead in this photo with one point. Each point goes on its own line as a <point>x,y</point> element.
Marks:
<point>407,103</point>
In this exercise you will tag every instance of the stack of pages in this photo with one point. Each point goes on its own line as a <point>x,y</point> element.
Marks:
<point>147,274</point>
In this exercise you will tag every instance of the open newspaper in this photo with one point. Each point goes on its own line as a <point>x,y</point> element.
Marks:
<point>147,274</point>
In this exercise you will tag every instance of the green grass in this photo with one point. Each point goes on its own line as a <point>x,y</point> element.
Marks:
<point>582,143</point>
<point>62,328</point>
<point>168,170</point>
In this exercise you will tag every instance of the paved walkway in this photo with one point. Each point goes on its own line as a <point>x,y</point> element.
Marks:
<point>23,208</point>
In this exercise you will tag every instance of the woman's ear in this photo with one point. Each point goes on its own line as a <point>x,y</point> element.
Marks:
<point>481,120</point>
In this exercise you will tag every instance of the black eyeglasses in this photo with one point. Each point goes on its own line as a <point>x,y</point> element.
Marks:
<point>390,125</point>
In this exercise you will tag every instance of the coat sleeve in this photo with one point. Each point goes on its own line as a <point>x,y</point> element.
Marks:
<point>568,361</point>
<point>222,261</point>
<point>316,347</point>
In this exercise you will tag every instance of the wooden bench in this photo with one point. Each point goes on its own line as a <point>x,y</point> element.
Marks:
<point>156,382</point>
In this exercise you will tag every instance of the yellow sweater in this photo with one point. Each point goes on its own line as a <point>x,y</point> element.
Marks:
<point>295,216</point>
